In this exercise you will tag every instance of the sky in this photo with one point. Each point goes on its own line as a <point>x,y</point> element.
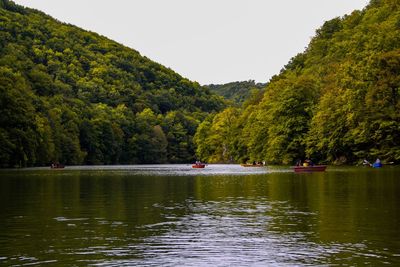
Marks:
<point>208,41</point>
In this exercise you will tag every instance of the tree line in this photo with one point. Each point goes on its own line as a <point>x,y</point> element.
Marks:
<point>336,102</point>
<point>75,97</point>
<point>237,92</point>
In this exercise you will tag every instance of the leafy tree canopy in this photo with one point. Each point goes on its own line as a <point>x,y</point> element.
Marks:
<point>75,97</point>
<point>337,102</point>
<point>237,92</point>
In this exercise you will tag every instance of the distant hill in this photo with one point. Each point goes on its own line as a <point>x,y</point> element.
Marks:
<point>72,96</point>
<point>337,102</point>
<point>237,92</point>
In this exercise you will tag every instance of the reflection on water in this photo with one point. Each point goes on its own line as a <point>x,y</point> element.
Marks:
<point>233,231</point>
<point>223,215</point>
<point>176,170</point>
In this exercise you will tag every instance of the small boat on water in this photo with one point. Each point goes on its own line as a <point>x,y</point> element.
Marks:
<point>314,168</point>
<point>57,166</point>
<point>377,165</point>
<point>199,166</point>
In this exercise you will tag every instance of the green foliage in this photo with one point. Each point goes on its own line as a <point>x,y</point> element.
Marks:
<point>210,146</point>
<point>17,120</point>
<point>336,102</point>
<point>72,96</point>
<point>237,92</point>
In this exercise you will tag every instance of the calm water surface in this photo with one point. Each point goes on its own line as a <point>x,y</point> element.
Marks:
<point>223,215</point>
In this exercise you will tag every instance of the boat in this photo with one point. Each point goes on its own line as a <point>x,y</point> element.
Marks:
<point>252,165</point>
<point>199,166</point>
<point>57,166</point>
<point>314,168</point>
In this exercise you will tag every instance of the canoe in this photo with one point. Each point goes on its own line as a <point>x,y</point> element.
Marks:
<point>251,165</point>
<point>315,168</point>
<point>198,166</point>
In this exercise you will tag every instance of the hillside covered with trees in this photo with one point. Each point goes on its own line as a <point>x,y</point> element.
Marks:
<point>237,92</point>
<point>337,102</point>
<point>71,96</point>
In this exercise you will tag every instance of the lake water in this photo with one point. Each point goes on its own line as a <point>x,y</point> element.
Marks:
<point>223,215</point>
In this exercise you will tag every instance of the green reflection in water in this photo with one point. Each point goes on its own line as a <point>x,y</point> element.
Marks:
<point>345,216</point>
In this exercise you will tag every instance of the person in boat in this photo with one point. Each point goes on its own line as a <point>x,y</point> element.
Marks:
<point>254,162</point>
<point>298,162</point>
<point>377,163</point>
<point>308,162</point>
<point>56,165</point>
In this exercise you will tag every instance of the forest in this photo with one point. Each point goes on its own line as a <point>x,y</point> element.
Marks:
<point>337,102</point>
<point>72,96</point>
<point>237,92</point>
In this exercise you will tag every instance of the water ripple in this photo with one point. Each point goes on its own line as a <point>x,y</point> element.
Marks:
<point>226,234</point>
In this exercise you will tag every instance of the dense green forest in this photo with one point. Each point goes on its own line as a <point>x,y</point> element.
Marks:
<point>336,102</point>
<point>237,92</point>
<point>75,97</point>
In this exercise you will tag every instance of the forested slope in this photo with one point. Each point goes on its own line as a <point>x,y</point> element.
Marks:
<point>75,97</point>
<point>338,101</point>
<point>237,92</point>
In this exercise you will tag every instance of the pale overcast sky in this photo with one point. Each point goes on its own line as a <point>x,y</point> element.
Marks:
<point>208,41</point>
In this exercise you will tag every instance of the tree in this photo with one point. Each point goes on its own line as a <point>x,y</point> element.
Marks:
<point>76,97</point>
<point>17,127</point>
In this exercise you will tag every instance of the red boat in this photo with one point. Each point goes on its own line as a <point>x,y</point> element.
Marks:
<point>198,166</point>
<point>315,168</point>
